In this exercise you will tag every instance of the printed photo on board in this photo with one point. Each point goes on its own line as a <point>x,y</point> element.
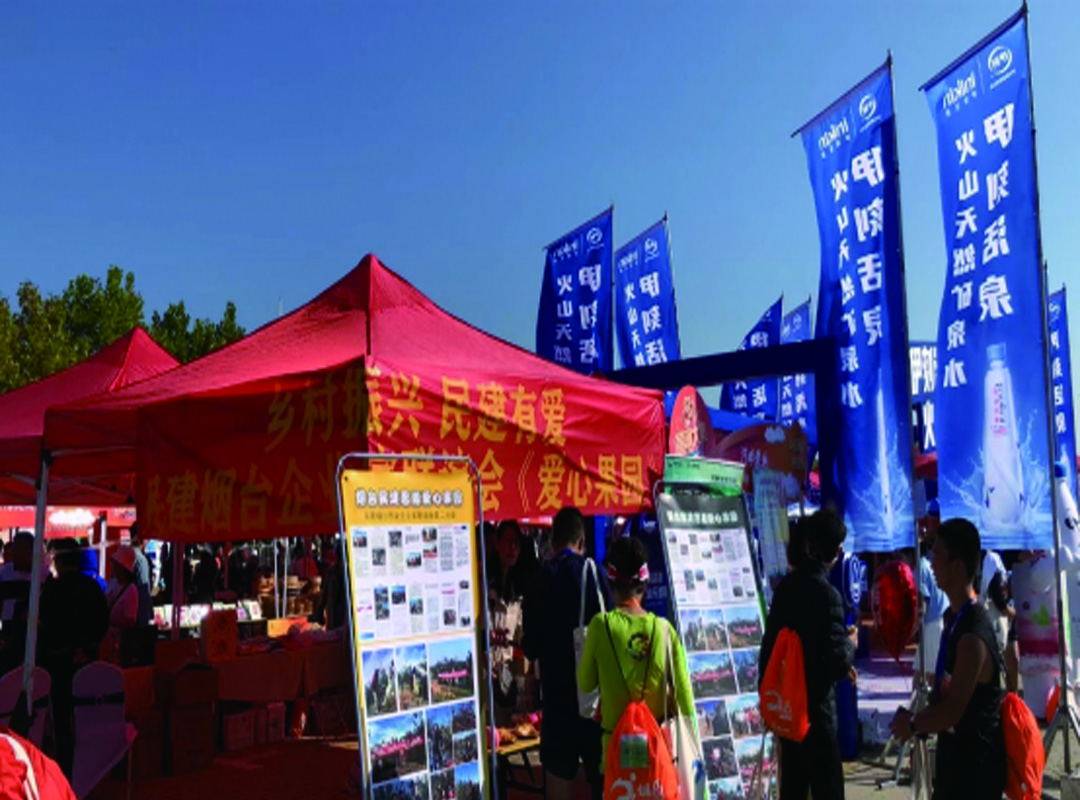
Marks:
<point>744,626</point>
<point>380,690</point>
<point>382,603</point>
<point>451,662</point>
<point>713,627</point>
<point>467,782</point>
<point>720,761</point>
<point>748,752</point>
<point>465,748</point>
<point>412,676</point>
<point>440,739</point>
<point>464,715</point>
<point>442,785</point>
<point>746,716</point>
<point>746,668</point>
<point>711,674</point>
<point>727,789</point>
<point>406,789</point>
<point>712,718</point>
<point>397,746</point>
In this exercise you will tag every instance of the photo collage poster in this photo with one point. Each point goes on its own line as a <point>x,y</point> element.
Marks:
<point>716,599</point>
<point>412,571</point>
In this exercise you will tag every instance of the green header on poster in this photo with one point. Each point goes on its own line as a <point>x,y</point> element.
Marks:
<point>722,477</point>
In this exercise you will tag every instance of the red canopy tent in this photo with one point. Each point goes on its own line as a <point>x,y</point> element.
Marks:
<point>244,442</point>
<point>128,360</point>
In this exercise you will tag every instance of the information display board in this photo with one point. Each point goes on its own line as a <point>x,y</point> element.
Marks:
<point>715,589</point>
<point>413,573</point>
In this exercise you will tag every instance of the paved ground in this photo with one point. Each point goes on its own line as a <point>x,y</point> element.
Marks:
<point>299,770</point>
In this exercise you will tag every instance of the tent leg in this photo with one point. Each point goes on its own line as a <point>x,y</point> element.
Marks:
<point>29,657</point>
<point>178,586</point>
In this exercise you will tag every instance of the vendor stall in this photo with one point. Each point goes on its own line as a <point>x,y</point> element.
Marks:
<point>243,443</point>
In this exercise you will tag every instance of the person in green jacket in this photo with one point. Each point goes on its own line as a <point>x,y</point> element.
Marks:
<point>636,658</point>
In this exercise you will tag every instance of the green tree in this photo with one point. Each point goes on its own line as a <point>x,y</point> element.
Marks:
<point>41,334</point>
<point>97,314</point>
<point>174,331</point>
<point>42,344</point>
<point>8,360</point>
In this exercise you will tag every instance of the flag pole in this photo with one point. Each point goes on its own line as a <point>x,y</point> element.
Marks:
<point>1065,717</point>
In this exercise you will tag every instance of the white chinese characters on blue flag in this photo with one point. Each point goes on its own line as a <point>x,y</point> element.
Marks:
<point>923,359</point>
<point>1061,386</point>
<point>851,154</point>
<point>573,326</point>
<point>756,398</point>
<point>646,325</point>
<point>993,465</point>
<point>797,391</point>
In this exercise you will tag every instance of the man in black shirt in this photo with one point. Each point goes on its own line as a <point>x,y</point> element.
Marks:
<point>74,619</point>
<point>552,610</point>
<point>965,705</point>
<point>806,603</point>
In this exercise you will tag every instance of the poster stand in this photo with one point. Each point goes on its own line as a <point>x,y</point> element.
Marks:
<point>430,727</point>
<point>716,599</point>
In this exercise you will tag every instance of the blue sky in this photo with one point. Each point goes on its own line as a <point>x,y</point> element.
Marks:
<point>255,151</point>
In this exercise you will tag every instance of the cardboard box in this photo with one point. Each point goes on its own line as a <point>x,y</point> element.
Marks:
<point>238,730</point>
<point>170,655</point>
<point>219,635</point>
<point>190,744</point>
<point>138,692</point>
<point>260,725</point>
<point>192,685</point>
<point>147,757</point>
<point>275,723</point>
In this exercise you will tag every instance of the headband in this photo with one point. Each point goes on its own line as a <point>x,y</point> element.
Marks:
<point>641,577</point>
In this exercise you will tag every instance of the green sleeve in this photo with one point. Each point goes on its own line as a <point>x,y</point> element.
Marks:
<point>683,695</point>
<point>588,676</point>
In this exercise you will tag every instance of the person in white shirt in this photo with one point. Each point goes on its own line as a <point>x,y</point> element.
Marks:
<point>122,595</point>
<point>992,584</point>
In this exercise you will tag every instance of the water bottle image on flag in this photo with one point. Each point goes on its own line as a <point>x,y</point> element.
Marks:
<point>1003,474</point>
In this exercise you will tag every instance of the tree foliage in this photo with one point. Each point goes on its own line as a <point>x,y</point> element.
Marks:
<point>42,334</point>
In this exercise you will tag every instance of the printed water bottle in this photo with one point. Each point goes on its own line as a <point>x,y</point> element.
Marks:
<point>1003,480</point>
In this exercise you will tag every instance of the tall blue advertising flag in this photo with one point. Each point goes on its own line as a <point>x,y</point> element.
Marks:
<point>923,359</point>
<point>573,326</point>
<point>646,325</point>
<point>851,153</point>
<point>1061,385</point>
<point>756,398</point>
<point>797,391</point>
<point>992,425</point>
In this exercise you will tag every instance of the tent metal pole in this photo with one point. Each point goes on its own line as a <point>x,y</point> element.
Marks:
<point>177,587</point>
<point>29,656</point>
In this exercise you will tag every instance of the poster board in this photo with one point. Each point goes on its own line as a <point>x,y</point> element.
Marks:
<point>716,596</point>
<point>413,572</point>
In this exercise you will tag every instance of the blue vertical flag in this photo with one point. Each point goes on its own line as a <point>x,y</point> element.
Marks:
<point>851,152</point>
<point>646,325</point>
<point>757,398</point>
<point>1061,385</point>
<point>573,326</point>
<point>993,464</point>
<point>797,391</point>
<point>923,359</point>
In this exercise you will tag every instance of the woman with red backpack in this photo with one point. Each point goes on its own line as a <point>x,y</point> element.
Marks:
<point>806,604</point>
<point>638,662</point>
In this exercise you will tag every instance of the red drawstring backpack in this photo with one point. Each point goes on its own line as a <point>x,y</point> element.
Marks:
<point>1023,748</point>
<point>782,692</point>
<point>26,774</point>
<point>639,762</point>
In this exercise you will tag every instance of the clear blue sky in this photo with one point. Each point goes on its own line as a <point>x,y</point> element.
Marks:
<point>256,150</point>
